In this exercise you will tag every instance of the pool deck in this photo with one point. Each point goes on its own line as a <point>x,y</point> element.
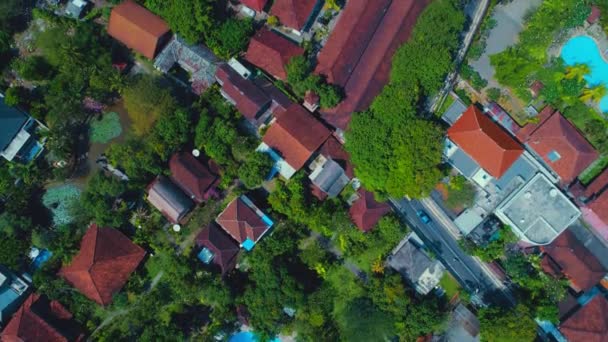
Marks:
<point>594,31</point>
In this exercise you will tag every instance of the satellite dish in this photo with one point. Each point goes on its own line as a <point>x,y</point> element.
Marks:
<point>196,152</point>
<point>177,228</point>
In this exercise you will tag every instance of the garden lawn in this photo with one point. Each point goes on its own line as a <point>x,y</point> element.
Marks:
<point>449,285</point>
<point>60,200</point>
<point>106,129</point>
<point>446,104</point>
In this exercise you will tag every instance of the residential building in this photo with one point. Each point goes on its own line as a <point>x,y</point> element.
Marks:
<point>311,101</point>
<point>169,199</point>
<point>271,52</point>
<point>589,323</point>
<point>558,143</point>
<point>292,139</point>
<point>138,28</point>
<point>244,222</point>
<point>357,55</point>
<point>416,267</point>
<point>76,8</point>
<point>42,320</point>
<point>366,211</point>
<point>297,15</point>
<point>593,200</point>
<point>13,289</point>
<point>598,209</point>
<point>463,326</point>
<point>256,5</point>
<point>568,256</point>
<point>196,179</point>
<point>328,176</point>
<point>217,248</point>
<point>103,264</point>
<point>332,148</point>
<point>197,60</point>
<point>17,134</point>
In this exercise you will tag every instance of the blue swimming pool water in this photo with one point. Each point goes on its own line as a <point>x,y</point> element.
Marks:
<point>583,49</point>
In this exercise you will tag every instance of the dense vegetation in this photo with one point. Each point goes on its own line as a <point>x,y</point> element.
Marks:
<point>396,152</point>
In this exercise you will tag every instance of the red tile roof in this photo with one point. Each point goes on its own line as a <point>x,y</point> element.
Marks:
<point>594,15</point>
<point>358,53</point>
<point>600,207</point>
<point>296,135</point>
<point>589,323</point>
<point>241,222</point>
<point>195,179</point>
<point>293,13</point>
<point>333,149</point>
<point>556,134</point>
<point>575,261</point>
<point>248,98</point>
<point>524,133</point>
<point>598,185</point>
<point>272,52</point>
<point>366,211</point>
<point>224,248</point>
<point>103,265</point>
<point>257,5</point>
<point>41,320</point>
<point>138,28</point>
<point>484,141</point>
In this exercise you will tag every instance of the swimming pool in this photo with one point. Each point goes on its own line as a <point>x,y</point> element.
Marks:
<point>584,50</point>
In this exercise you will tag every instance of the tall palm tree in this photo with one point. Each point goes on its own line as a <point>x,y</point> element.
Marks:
<point>578,71</point>
<point>595,93</point>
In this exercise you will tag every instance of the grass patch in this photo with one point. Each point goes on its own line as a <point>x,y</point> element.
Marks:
<point>594,170</point>
<point>449,285</point>
<point>106,129</point>
<point>449,100</point>
<point>60,201</point>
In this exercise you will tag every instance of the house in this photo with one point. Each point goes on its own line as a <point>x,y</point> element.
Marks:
<point>76,8</point>
<point>293,138</point>
<point>197,60</point>
<point>244,222</point>
<point>366,211</point>
<point>589,323</point>
<point>13,289</point>
<point>328,176</point>
<point>485,142</point>
<point>311,101</point>
<point>217,247</point>
<point>332,148</point>
<point>42,320</point>
<point>169,199</point>
<point>416,267</point>
<point>559,144</point>
<point>196,179</point>
<point>567,255</point>
<point>103,265</point>
<point>598,211</point>
<point>256,5</point>
<point>138,28</point>
<point>17,134</point>
<point>272,52</point>
<point>297,15</point>
<point>357,55</point>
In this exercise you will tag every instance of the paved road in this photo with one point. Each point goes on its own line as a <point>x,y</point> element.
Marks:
<point>443,242</point>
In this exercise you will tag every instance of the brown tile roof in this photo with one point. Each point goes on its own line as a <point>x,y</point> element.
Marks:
<point>589,323</point>
<point>296,135</point>
<point>224,248</point>
<point>257,5</point>
<point>241,222</point>
<point>556,134</point>
<point>195,179</point>
<point>575,261</point>
<point>103,265</point>
<point>524,133</point>
<point>138,28</point>
<point>600,206</point>
<point>169,199</point>
<point>598,185</point>
<point>293,13</point>
<point>272,52</point>
<point>358,53</point>
<point>248,98</point>
<point>366,211</point>
<point>484,141</point>
<point>333,149</point>
<point>41,320</point>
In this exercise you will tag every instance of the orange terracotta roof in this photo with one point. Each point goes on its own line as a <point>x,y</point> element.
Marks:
<point>137,28</point>
<point>484,141</point>
<point>589,323</point>
<point>272,52</point>
<point>103,265</point>
<point>296,135</point>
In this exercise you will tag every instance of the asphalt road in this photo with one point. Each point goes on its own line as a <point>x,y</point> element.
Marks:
<point>436,236</point>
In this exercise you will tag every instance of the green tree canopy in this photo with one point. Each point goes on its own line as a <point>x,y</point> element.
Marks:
<point>506,325</point>
<point>146,101</point>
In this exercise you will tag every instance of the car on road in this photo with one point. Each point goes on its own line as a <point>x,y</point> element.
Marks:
<point>424,217</point>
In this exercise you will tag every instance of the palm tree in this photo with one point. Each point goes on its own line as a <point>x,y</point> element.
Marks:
<point>577,71</point>
<point>595,93</point>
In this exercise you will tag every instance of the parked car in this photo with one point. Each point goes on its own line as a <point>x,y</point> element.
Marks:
<point>424,217</point>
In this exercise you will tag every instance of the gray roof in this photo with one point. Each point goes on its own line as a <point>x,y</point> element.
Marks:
<point>412,262</point>
<point>521,168</point>
<point>454,111</point>
<point>463,163</point>
<point>11,121</point>
<point>331,179</point>
<point>169,199</point>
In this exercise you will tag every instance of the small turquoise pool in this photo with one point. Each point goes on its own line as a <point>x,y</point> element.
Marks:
<point>584,50</point>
